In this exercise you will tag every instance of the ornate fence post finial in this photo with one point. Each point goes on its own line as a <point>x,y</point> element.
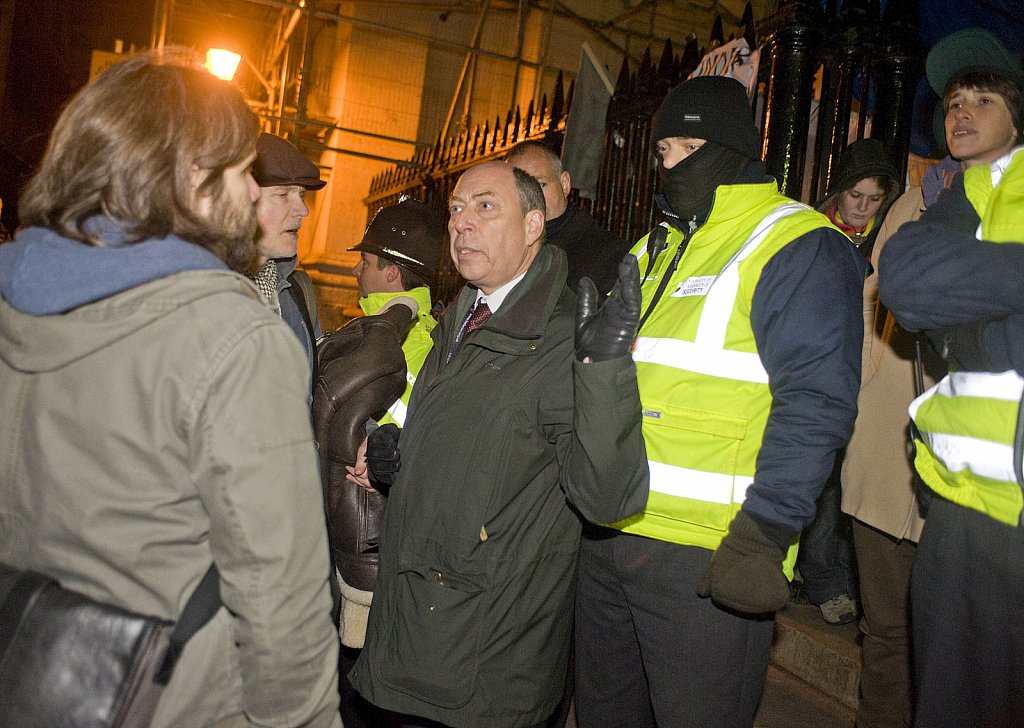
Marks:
<point>897,67</point>
<point>792,38</point>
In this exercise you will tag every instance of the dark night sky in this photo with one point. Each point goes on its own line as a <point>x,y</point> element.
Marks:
<point>51,42</point>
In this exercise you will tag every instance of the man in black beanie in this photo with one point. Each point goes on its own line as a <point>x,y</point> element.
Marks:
<point>748,364</point>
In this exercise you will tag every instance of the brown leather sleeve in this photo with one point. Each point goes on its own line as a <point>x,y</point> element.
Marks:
<point>361,372</point>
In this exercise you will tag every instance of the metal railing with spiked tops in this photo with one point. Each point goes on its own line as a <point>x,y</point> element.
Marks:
<point>829,72</point>
<point>437,168</point>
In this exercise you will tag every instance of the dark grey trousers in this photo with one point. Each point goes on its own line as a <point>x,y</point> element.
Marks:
<point>967,608</point>
<point>650,652</point>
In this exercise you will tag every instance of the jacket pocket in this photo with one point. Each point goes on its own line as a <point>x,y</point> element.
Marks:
<point>694,459</point>
<point>433,647</point>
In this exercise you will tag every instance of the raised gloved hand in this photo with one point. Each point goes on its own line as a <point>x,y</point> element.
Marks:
<point>607,332</point>
<point>382,458</point>
<point>745,572</point>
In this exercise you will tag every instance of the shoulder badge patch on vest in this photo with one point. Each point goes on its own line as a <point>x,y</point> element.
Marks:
<point>694,286</point>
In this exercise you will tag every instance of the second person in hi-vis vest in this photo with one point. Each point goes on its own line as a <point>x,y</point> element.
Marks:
<point>398,260</point>
<point>956,275</point>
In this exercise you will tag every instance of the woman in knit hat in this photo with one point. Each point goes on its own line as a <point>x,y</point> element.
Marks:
<point>860,193</point>
<point>864,187</point>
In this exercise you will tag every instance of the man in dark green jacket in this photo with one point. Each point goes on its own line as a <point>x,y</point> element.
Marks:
<point>514,432</point>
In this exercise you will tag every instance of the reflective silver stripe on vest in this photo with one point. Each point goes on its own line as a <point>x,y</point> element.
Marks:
<point>698,484</point>
<point>706,353</point>
<point>958,452</point>
<point>398,409</point>
<point>397,412</point>
<point>692,357</point>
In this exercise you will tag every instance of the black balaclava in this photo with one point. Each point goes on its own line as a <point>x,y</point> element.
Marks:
<point>716,109</point>
<point>689,187</point>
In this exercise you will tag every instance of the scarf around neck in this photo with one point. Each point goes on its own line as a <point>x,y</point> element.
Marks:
<point>267,279</point>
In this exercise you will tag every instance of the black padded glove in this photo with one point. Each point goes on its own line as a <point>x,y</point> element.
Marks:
<point>607,332</point>
<point>382,459</point>
<point>745,572</point>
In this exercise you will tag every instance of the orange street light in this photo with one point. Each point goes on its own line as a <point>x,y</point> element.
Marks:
<point>222,63</point>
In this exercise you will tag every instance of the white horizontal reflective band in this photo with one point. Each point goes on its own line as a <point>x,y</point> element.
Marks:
<point>691,357</point>
<point>397,412</point>
<point>1007,386</point>
<point>697,484</point>
<point>982,457</point>
<point>721,298</point>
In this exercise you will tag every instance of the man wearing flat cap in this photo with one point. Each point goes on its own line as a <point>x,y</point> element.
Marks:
<point>284,175</point>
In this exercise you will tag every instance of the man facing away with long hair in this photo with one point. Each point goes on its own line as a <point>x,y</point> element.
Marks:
<point>153,405</point>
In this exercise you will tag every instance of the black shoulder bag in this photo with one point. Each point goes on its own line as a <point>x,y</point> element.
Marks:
<point>68,660</point>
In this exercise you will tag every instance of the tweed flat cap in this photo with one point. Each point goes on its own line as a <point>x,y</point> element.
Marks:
<point>278,162</point>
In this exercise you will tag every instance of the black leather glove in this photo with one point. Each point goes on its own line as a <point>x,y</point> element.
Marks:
<point>607,332</point>
<point>745,572</point>
<point>382,459</point>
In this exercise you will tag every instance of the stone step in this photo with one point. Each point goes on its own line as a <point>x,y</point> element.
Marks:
<point>825,657</point>
<point>789,702</point>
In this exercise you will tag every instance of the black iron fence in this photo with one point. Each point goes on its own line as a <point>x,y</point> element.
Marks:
<point>845,61</point>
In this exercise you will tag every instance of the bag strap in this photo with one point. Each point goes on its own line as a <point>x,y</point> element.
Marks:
<point>306,300</point>
<point>201,606</point>
<point>657,241</point>
<point>301,296</point>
